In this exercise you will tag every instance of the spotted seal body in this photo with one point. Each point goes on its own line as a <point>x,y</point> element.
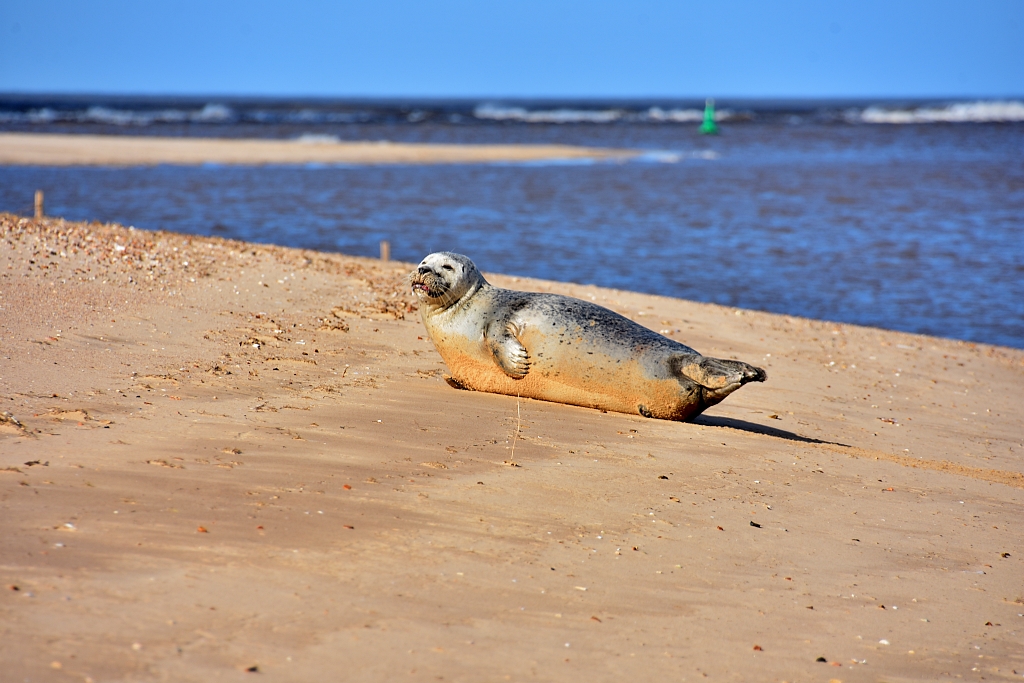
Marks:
<point>561,349</point>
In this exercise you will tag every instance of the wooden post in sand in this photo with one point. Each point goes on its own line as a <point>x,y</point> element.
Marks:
<point>39,203</point>
<point>385,250</point>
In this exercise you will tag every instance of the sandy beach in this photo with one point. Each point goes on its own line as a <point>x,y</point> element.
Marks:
<point>116,150</point>
<point>224,461</point>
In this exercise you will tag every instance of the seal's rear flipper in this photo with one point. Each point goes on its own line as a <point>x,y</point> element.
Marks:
<point>707,381</point>
<point>719,377</point>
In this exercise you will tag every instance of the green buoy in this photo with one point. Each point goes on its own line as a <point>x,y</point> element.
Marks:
<point>709,127</point>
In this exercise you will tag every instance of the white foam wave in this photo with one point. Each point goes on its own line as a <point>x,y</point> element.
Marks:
<point>44,115</point>
<point>317,139</point>
<point>659,156</point>
<point>562,115</point>
<point>121,117</point>
<point>495,112</point>
<point>303,116</point>
<point>675,115</point>
<point>214,112</point>
<point>211,113</point>
<point>662,156</point>
<point>983,111</point>
<point>309,116</point>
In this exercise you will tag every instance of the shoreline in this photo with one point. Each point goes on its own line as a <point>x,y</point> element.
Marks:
<point>224,455</point>
<point>32,149</point>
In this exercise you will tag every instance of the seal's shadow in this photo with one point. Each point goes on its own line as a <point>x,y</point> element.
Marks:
<point>754,428</point>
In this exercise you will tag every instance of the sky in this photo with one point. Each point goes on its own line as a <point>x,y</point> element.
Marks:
<point>521,48</point>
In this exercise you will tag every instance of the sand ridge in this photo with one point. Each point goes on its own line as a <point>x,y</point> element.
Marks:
<point>230,456</point>
<point>39,149</point>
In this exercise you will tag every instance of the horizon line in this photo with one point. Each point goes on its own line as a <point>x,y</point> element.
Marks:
<point>4,94</point>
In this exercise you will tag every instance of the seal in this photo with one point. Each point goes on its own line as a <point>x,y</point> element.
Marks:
<point>560,349</point>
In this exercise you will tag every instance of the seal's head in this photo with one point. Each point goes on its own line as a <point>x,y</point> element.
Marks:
<point>443,278</point>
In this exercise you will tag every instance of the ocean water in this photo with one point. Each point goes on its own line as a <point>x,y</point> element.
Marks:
<point>906,216</point>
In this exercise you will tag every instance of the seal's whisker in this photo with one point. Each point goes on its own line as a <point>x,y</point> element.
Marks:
<point>445,294</point>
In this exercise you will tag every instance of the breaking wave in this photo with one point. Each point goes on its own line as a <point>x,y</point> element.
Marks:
<point>561,115</point>
<point>991,111</point>
<point>678,115</point>
<point>211,113</point>
<point>126,112</point>
<point>498,113</point>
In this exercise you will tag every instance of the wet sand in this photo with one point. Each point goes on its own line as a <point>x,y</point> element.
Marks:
<point>117,150</point>
<point>223,458</point>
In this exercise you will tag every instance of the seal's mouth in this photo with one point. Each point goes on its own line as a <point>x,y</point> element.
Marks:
<point>428,285</point>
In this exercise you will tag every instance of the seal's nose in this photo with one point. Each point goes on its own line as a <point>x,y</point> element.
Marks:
<point>423,270</point>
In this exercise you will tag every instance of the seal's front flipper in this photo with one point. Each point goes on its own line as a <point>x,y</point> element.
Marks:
<point>509,353</point>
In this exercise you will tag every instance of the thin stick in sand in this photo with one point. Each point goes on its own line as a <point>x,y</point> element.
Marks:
<point>515,435</point>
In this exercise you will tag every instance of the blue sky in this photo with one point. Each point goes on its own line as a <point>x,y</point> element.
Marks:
<point>526,48</point>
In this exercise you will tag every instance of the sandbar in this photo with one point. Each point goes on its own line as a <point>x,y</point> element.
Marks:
<point>33,149</point>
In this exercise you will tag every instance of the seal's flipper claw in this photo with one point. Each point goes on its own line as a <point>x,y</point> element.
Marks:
<point>509,353</point>
<point>456,384</point>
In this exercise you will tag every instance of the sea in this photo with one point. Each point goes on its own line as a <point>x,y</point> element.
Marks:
<point>904,215</point>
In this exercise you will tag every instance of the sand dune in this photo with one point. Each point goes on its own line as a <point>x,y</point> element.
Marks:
<point>118,150</point>
<point>221,457</point>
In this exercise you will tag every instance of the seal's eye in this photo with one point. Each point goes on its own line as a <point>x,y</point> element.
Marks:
<point>447,267</point>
